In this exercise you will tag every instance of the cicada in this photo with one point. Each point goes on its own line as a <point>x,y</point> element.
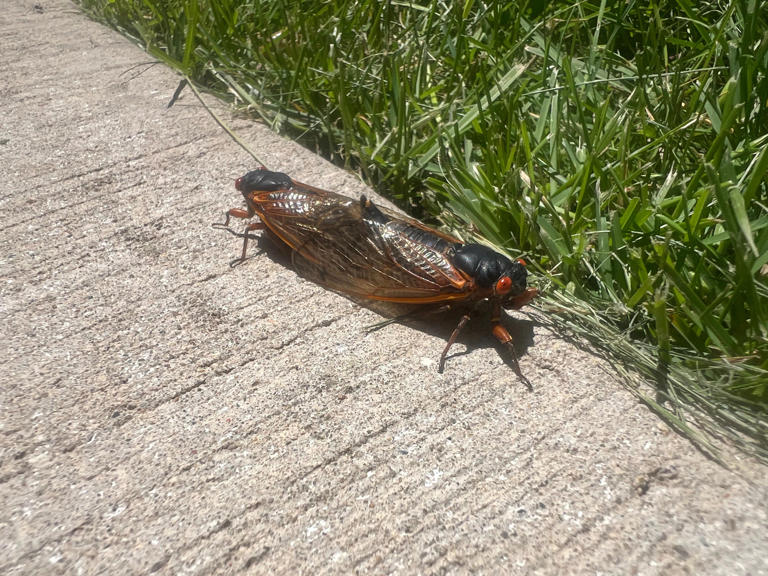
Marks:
<point>361,249</point>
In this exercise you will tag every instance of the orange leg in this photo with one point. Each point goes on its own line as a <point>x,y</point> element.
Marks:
<point>451,340</point>
<point>503,336</point>
<point>236,213</point>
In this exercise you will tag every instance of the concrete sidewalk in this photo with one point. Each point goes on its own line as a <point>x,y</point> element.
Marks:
<point>163,412</point>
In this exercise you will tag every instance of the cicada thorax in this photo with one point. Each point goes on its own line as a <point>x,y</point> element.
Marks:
<point>263,180</point>
<point>504,277</point>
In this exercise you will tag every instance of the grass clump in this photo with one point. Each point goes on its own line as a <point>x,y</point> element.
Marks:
<point>621,146</point>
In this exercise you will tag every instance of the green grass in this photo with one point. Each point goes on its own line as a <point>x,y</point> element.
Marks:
<point>621,147</point>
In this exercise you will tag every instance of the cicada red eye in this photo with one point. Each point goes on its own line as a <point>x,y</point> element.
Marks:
<point>238,183</point>
<point>523,262</point>
<point>503,285</point>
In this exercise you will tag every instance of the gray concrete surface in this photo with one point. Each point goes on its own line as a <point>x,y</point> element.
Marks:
<point>161,412</point>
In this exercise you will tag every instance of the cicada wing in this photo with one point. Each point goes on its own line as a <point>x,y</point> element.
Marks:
<point>363,271</point>
<point>332,248</point>
<point>354,247</point>
<point>357,251</point>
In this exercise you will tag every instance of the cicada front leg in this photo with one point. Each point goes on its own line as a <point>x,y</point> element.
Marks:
<point>242,214</point>
<point>503,336</point>
<point>235,213</point>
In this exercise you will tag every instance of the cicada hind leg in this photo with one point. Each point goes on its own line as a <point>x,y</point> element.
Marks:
<point>241,214</point>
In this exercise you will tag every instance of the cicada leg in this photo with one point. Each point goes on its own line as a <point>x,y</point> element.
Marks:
<point>251,226</point>
<point>242,214</point>
<point>503,336</point>
<point>455,334</point>
<point>235,213</point>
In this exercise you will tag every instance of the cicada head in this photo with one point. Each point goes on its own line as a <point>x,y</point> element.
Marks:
<point>489,269</point>
<point>262,180</point>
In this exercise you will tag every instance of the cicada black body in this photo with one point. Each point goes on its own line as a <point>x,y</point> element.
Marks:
<point>358,248</point>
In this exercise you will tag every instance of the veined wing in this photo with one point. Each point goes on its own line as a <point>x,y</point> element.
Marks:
<point>355,247</point>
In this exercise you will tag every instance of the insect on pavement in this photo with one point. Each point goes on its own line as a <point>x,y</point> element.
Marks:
<point>360,249</point>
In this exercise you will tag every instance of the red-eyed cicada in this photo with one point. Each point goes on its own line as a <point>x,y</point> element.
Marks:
<point>360,249</point>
